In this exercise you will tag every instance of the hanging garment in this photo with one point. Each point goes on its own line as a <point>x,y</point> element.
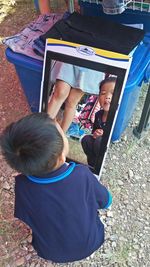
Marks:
<point>85,115</point>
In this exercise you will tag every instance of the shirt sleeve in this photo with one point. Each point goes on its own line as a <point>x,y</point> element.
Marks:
<point>103,196</point>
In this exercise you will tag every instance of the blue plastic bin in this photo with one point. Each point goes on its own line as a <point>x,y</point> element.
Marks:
<point>30,74</point>
<point>29,71</point>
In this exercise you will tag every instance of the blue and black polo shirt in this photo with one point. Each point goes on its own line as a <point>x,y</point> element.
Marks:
<point>61,209</point>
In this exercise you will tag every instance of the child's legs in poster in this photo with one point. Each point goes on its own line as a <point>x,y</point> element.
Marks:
<point>70,107</point>
<point>61,92</point>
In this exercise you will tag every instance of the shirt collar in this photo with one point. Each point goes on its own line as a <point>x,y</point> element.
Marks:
<point>57,175</point>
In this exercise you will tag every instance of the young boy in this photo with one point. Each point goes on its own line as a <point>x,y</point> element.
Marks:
<point>91,143</point>
<point>59,201</point>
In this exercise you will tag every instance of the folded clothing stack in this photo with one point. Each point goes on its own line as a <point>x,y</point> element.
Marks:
<point>94,31</point>
<point>23,41</point>
<point>91,31</point>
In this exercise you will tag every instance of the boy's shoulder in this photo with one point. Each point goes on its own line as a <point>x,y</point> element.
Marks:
<point>20,175</point>
<point>20,178</point>
<point>83,170</point>
<point>82,166</point>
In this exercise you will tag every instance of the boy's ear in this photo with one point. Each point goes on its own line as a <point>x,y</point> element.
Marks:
<point>62,158</point>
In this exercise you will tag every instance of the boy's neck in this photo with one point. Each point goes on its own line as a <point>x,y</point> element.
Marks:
<point>58,165</point>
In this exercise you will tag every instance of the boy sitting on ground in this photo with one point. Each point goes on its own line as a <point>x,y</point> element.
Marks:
<point>59,201</point>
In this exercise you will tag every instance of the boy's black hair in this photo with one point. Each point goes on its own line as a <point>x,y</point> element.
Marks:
<point>106,80</point>
<point>32,145</point>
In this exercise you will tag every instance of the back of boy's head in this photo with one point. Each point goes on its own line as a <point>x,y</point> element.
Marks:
<point>32,145</point>
<point>107,80</point>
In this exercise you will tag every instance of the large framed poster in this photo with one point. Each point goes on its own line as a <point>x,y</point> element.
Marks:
<point>90,74</point>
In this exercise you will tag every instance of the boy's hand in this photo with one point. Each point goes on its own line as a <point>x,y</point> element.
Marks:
<point>97,133</point>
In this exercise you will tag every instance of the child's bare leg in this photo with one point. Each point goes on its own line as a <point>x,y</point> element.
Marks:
<point>70,107</point>
<point>61,92</point>
<point>44,6</point>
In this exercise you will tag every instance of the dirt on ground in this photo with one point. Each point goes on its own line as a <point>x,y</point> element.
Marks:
<point>126,173</point>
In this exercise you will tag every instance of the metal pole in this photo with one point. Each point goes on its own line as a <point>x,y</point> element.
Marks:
<point>144,120</point>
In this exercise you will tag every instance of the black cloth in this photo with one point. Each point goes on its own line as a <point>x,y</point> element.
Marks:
<point>97,32</point>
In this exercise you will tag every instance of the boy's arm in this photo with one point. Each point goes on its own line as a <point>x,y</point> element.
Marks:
<point>103,196</point>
